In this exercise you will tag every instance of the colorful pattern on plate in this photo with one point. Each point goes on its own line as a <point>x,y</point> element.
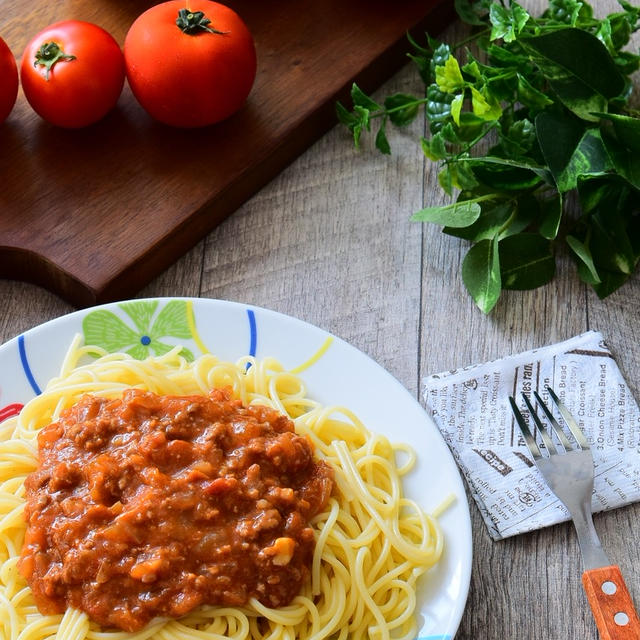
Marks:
<point>105,329</point>
<point>152,325</point>
<point>27,368</point>
<point>10,410</point>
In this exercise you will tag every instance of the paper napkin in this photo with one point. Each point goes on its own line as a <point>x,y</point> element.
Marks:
<point>470,407</point>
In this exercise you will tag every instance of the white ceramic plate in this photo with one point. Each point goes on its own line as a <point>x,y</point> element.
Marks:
<point>335,372</point>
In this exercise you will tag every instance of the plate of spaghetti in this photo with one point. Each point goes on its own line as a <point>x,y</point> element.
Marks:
<point>184,469</point>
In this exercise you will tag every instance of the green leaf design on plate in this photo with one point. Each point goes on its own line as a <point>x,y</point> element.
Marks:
<point>160,348</point>
<point>172,321</point>
<point>141,312</point>
<point>105,329</point>
<point>138,351</point>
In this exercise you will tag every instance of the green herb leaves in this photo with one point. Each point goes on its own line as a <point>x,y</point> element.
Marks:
<point>449,77</point>
<point>578,68</point>
<point>400,109</point>
<point>507,23</point>
<point>550,96</point>
<point>481,273</point>
<point>458,214</point>
<point>571,149</point>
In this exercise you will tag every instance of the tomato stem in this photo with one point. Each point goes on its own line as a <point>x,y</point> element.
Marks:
<point>195,22</point>
<point>49,54</point>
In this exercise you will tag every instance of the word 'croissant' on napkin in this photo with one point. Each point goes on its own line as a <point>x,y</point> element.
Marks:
<point>470,407</point>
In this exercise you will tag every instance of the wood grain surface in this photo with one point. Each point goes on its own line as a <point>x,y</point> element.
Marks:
<point>94,214</point>
<point>329,241</point>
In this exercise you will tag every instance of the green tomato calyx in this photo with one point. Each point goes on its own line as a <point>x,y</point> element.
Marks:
<point>195,22</point>
<point>49,54</point>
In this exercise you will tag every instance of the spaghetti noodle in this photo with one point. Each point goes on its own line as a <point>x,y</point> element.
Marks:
<point>372,543</point>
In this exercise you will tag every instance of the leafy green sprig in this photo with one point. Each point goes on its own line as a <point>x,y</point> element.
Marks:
<point>551,95</point>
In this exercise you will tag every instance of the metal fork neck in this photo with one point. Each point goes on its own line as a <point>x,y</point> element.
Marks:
<point>592,554</point>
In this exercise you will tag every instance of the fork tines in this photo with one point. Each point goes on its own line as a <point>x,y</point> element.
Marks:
<point>544,433</point>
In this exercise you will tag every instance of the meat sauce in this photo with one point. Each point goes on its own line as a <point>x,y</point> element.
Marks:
<point>152,505</point>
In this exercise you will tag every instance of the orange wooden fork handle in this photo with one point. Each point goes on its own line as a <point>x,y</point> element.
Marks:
<point>611,604</point>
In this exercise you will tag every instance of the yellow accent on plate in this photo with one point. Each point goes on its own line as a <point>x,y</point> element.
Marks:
<point>315,357</point>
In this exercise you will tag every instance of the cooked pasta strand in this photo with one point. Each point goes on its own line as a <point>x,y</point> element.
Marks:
<point>372,543</point>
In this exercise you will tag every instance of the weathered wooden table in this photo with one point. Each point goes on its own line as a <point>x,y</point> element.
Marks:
<point>330,242</point>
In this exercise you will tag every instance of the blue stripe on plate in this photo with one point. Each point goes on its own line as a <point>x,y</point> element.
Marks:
<point>26,367</point>
<point>444,637</point>
<point>253,331</point>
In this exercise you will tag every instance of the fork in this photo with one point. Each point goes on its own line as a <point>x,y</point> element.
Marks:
<point>569,474</point>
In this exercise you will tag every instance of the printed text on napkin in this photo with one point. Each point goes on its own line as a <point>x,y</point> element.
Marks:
<point>470,407</point>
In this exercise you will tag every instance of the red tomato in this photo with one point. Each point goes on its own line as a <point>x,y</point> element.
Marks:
<point>190,67</point>
<point>8,81</point>
<point>72,73</point>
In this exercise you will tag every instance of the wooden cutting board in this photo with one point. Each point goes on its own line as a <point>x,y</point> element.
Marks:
<point>95,214</point>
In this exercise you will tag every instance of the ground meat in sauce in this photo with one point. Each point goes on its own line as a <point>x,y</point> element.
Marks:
<point>152,505</point>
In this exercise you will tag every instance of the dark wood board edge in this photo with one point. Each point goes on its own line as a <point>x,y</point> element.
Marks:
<point>127,282</point>
<point>36,269</point>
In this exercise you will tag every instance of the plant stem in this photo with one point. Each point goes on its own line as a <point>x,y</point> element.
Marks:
<point>48,55</point>
<point>384,112</point>
<point>507,222</point>
<point>475,141</point>
<point>471,38</point>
